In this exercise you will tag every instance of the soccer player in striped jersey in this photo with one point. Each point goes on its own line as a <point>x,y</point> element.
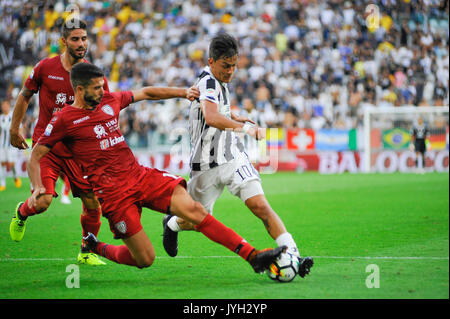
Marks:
<point>8,154</point>
<point>218,156</point>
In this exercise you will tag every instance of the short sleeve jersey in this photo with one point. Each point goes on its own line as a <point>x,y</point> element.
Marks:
<point>52,81</point>
<point>97,144</point>
<point>210,146</point>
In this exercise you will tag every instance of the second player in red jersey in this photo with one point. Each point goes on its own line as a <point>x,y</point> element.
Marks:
<point>50,78</point>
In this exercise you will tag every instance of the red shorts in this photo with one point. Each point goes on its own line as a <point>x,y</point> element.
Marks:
<point>153,190</point>
<point>51,168</point>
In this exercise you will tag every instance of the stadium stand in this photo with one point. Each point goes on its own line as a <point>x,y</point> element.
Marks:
<point>303,64</point>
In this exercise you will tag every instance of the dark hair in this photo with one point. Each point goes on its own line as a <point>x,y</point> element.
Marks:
<point>72,24</point>
<point>82,73</point>
<point>223,45</point>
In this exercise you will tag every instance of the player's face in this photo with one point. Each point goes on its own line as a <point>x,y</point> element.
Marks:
<point>223,68</point>
<point>5,107</point>
<point>77,43</point>
<point>93,94</point>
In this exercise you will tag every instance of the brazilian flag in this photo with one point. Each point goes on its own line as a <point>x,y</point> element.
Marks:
<point>396,138</point>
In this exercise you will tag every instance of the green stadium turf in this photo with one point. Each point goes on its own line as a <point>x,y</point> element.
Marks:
<point>397,222</point>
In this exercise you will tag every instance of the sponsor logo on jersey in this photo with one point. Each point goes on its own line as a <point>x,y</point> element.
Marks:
<point>61,98</point>
<point>99,130</point>
<point>81,120</point>
<point>109,142</point>
<point>54,77</point>
<point>104,144</point>
<point>112,125</point>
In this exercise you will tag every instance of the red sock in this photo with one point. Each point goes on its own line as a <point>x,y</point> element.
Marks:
<point>119,254</point>
<point>26,211</point>
<point>219,233</point>
<point>90,221</point>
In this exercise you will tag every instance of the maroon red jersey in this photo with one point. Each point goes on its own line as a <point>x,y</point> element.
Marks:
<point>98,146</point>
<point>55,90</point>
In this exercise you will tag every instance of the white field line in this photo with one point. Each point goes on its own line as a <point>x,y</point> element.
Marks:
<point>206,257</point>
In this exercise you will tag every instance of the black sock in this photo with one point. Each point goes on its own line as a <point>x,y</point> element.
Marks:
<point>19,215</point>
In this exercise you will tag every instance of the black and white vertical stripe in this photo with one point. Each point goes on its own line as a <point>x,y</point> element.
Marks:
<point>211,147</point>
<point>5,123</point>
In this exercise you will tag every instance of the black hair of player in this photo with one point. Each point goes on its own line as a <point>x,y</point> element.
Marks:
<point>82,73</point>
<point>72,24</point>
<point>223,45</point>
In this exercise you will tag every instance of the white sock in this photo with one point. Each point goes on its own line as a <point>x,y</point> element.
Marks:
<point>173,225</point>
<point>287,240</point>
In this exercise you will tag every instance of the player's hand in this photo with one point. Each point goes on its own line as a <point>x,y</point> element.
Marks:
<point>411,147</point>
<point>243,119</point>
<point>258,133</point>
<point>38,191</point>
<point>17,140</point>
<point>192,93</point>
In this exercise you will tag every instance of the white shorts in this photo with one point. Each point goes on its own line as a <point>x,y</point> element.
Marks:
<point>239,175</point>
<point>8,154</point>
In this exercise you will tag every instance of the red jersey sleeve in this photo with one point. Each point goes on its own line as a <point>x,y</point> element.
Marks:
<point>33,81</point>
<point>54,132</point>
<point>124,98</point>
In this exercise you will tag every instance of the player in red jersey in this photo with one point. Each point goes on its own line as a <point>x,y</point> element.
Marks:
<point>51,78</point>
<point>89,128</point>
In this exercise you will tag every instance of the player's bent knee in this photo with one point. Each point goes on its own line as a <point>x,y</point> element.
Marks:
<point>145,261</point>
<point>90,201</point>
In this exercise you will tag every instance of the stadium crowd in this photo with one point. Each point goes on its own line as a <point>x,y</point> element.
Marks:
<point>303,63</point>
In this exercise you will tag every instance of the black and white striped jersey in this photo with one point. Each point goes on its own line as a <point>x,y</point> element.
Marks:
<point>211,147</point>
<point>5,123</point>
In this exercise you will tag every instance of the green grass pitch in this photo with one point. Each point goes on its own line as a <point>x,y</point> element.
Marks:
<point>361,229</point>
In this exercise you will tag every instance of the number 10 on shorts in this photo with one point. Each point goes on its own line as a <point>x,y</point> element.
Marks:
<point>245,171</point>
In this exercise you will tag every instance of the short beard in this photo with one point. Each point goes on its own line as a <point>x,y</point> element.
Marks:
<point>89,100</point>
<point>74,55</point>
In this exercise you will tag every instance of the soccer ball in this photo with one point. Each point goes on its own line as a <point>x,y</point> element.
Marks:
<point>285,268</point>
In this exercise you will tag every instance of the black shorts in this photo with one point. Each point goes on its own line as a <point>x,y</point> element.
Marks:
<point>420,146</point>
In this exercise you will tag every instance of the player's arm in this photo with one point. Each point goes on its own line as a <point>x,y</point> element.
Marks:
<point>215,119</point>
<point>34,172</point>
<point>242,119</point>
<point>162,93</point>
<point>20,108</point>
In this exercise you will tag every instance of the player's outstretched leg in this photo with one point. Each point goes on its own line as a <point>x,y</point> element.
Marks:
<point>185,207</point>
<point>18,224</point>
<point>261,260</point>
<point>119,254</point>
